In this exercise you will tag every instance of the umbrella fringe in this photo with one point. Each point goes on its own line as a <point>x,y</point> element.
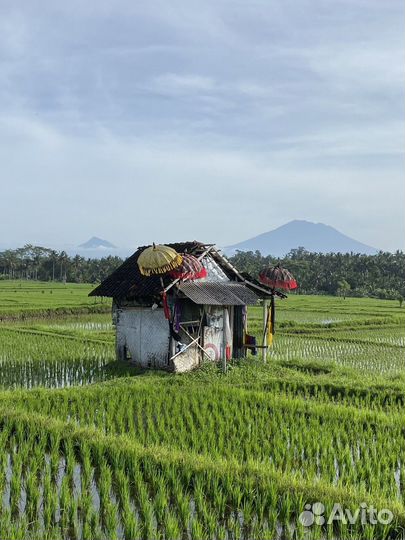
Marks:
<point>162,269</point>
<point>177,274</point>
<point>279,284</point>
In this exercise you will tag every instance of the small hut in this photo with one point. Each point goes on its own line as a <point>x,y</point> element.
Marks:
<point>173,324</point>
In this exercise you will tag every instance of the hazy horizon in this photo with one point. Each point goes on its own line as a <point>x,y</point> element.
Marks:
<point>124,250</point>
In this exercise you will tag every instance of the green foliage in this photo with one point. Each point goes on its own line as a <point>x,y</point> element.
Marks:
<point>343,288</point>
<point>39,263</point>
<point>381,276</point>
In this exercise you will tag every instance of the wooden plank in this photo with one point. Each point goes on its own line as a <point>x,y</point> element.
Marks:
<point>198,345</point>
<point>185,348</point>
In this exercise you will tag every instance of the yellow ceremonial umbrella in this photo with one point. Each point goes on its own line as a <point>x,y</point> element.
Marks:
<point>158,260</point>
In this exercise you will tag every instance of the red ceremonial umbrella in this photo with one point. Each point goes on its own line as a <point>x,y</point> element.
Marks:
<point>277,277</point>
<point>190,268</point>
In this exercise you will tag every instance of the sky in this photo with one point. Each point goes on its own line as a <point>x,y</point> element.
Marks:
<point>141,121</point>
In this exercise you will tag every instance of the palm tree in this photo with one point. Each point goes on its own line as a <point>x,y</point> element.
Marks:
<point>343,288</point>
<point>63,258</point>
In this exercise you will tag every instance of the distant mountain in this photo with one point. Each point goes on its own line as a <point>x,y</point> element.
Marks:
<point>315,237</point>
<point>97,243</point>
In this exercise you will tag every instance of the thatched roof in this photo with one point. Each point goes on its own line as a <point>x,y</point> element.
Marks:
<point>127,281</point>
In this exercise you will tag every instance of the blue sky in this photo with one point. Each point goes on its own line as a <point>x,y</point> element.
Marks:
<point>215,120</point>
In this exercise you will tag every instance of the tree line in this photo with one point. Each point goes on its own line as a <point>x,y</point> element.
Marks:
<point>349,274</point>
<point>346,274</point>
<point>44,264</point>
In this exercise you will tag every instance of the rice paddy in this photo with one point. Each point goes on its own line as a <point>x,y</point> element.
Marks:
<point>22,299</point>
<point>93,449</point>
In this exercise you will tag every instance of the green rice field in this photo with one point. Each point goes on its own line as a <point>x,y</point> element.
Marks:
<point>21,299</point>
<point>94,449</point>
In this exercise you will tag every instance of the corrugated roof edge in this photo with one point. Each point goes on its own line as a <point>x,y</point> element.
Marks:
<point>219,293</point>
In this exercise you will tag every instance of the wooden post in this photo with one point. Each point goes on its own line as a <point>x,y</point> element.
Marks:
<point>223,341</point>
<point>265,316</point>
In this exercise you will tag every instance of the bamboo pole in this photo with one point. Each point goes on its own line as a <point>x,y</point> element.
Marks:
<point>223,341</point>
<point>265,323</point>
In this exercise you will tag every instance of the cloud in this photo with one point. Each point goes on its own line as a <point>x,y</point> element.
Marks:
<point>162,188</point>
<point>180,85</point>
<point>226,120</point>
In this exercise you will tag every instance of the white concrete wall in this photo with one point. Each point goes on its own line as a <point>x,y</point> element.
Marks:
<point>145,334</point>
